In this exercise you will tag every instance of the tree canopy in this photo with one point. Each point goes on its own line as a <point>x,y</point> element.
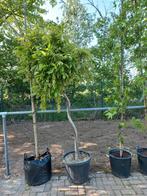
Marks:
<point>52,63</point>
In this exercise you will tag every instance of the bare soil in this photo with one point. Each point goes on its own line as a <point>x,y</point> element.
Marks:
<point>96,137</point>
<point>118,155</point>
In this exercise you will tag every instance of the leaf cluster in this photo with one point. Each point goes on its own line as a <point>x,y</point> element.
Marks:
<point>51,62</point>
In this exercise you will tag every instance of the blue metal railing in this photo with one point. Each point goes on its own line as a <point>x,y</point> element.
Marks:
<point>4,126</point>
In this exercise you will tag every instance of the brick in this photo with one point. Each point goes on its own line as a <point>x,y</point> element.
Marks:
<point>47,187</point>
<point>26,193</point>
<point>37,188</point>
<point>42,194</point>
<point>117,193</point>
<point>128,192</point>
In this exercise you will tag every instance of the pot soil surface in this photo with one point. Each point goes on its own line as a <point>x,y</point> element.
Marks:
<point>144,152</point>
<point>70,158</point>
<point>124,154</point>
<point>95,137</point>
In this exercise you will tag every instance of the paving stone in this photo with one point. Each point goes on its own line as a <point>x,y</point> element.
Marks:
<point>61,194</point>
<point>26,193</point>
<point>128,192</point>
<point>82,191</point>
<point>118,187</point>
<point>55,178</point>
<point>63,177</point>
<point>93,182</point>
<point>37,188</point>
<point>33,194</point>
<point>53,192</point>
<point>47,186</point>
<point>99,184</point>
<point>138,191</point>
<point>42,194</point>
<point>117,192</point>
<point>144,191</point>
<point>67,182</point>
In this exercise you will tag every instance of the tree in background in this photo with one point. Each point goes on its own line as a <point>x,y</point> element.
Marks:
<point>13,18</point>
<point>78,23</point>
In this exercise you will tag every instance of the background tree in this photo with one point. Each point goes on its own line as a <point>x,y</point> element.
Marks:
<point>78,23</point>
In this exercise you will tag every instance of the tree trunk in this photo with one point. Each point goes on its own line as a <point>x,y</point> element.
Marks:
<point>1,100</point>
<point>74,127</point>
<point>121,85</point>
<point>31,92</point>
<point>34,122</point>
<point>145,105</point>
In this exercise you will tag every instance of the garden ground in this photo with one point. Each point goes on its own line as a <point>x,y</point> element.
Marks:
<point>94,136</point>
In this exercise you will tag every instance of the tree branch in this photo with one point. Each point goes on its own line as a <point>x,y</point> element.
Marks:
<point>97,9</point>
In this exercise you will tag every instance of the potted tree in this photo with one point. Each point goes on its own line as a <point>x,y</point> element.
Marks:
<point>138,58</point>
<point>120,158</point>
<point>56,63</point>
<point>77,163</point>
<point>142,151</point>
<point>142,126</point>
<point>37,168</point>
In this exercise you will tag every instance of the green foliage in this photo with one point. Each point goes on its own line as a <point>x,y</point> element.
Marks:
<point>51,62</point>
<point>78,23</point>
<point>138,124</point>
<point>111,113</point>
<point>121,125</point>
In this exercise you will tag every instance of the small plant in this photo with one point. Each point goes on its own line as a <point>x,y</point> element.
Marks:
<point>137,123</point>
<point>110,114</point>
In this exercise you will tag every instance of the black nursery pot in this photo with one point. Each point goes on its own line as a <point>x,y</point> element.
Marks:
<point>37,171</point>
<point>142,159</point>
<point>78,172</point>
<point>120,166</point>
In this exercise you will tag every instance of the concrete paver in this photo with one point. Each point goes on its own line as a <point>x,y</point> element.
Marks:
<point>99,184</point>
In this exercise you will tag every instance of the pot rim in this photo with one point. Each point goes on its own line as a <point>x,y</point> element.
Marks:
<point>117,149</point>
<point>79,162</point>
<point>139,153</point>
<point>31,157</point>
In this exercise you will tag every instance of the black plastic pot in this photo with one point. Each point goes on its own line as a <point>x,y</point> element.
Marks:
<point>78,172</point>
<point>120,166</point>
<point>142,159</point>
<point>37,171</point>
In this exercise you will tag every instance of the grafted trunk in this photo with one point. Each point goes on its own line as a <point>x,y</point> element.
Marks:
<point>74,127</point>
<point>34,122</point>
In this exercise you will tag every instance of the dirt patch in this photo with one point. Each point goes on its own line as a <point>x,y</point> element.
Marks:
<point>94,136</point>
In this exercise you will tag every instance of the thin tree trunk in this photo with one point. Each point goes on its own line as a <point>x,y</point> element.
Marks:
<point>121,94</point>
<point>121,86</point>
<point>1,99</point>
<point>74,127</point>
<point>34,122</point>
<point>91,2</point>
<point>145,105</point>
<point>31,92</point>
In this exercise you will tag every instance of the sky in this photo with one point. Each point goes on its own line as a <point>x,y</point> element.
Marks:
<point>53,13</point>
<point>103,5</point>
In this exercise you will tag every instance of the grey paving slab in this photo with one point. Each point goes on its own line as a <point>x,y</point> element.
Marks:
<point>99,184</point>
